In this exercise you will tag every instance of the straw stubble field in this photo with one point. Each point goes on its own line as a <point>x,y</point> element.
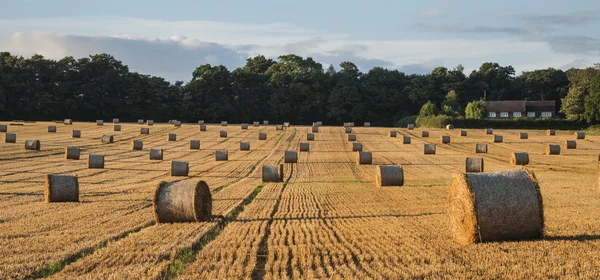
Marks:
<point>326,220</point>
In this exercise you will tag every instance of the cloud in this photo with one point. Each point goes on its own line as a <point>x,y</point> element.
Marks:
<point>435,11</point>
<point>567,19</point>
<point>577,63</point>
<point>454,28</point>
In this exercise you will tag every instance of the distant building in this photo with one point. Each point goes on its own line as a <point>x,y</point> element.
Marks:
<point>520,109</point>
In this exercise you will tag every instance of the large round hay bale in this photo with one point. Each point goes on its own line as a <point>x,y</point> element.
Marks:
<point>76,133</point>
<point>278,127</point>
<point>99,122</point>
<point>115,120</point>
<point>265,122</point>
<point>172,137</point>
<point>424,133</point>
<point>223,133</point>
<point>474,165</point>
<point>392,133</point>
<point>145,130</point>
<point>272,173</point>
<point>262,136</point>
<point>177,123</point>
<point>405,139</point>
<point>497,138</point>
<point>445,139</point>
<point>495,206</point>
<point>51,128</point>
<point>348,129</point>
<point>550,132</point>
<point>156,154</point>
<point>489,131</point>
<point>310,136</point>
<point>3,128</point>
<point>552,149</point>
<point>10,138</point>
<point>32,145</point>
<point>68,121</point>
<point>523,135</point>
<point>244,126</point>
<point>107,139</point>
<point>194,144</point>
<point>117,127</point>
<point>449,127</point>
<point>72,153</point>
<point>223,123</point>
<point>429,149</point>
<point>182,202</point>
<point>290,157</point>
<point>389,175</point>
<point>304,147</point>
<point>150,122</point>
<point>570,144</point>
<point>463,133</point>
<point>579,135</point>
<point>137,144</point>
<point>356,147</point>
<point>221,155</point>
<point>179,168</point>
<point>351,137</point>
<point>140,121</point>
<point>481,148</point>
<point>519,158</point>
<point>202,127</point>
<point>200,122</point>
<point>411,126</point>
<point>244,146</point>
<point>367,124</point>
<point>256,124</point>
<point>96,161</point>
<point>61,188</point>
<point>286,124</point>
<point>364,158</point>
<point>315,129</point>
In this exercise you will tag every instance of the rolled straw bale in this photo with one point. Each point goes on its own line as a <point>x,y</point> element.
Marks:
<point>286,124</point>
<point>445,139</point>
<point>96,161</point>
<point>351,124</point>
<point>495,206</point>
<point>172,121</point>
<point>244,126</point>
<point>223,123</point>
<point>117,127</point>
<point>262,136</point>
<point>411,126</point>
<point>140,121</point>
<point>244,146</point>
<point>10,138</point>
<point>310,136</point>
<point>3,128</point>
<point>523,135</point>
<point>406,140</point>
<point>364,158</point>
<point>182,202</point>
<point>221,155</point>
<point>61,188</point>
<point>552,149</point>
<point>32,145</point>
<point>107,139</point>
<point>115,120</point>
<point>137,144</point>
<point>424,133</point>
<point>51,128</point>
<point>200,122</point>
<point>150,122</point>
<point>356,147</point>
<point>497,138</point>
<point>265,122</point>
<point>272,173</point>
<point>449,126</point>
<point>519,158</point>
<point>345,124</point>
<point>279,127</point>
<point>392,133</point>
<point>489,131</point>
<point>351,137</point>
<point>68,121</point>
<point>172,137</point>
<point>202,127</point>
<point>76,133</point>
<point>291,157</point>
<point>177,123</point>
<point>389,175</point>
<point>570,144</point>
<point>474,165</point>
<point>463,133</point>
<point>223,133</point>
<point>256,124</point>
<point>481,148</point>
<point>315,129</point>
<point>156,154</point>
<point>319,123</point>
<point>145,130</point>
<point>429,149</point>
<point>579,135</point>
<point>99,122</point>
<point>304,147</point>
<point>550,132</point>
<point>72,153</point>
<point>194,144</point>
<point>179,168</point>
<point>367,124</point>
<point>348,129</point>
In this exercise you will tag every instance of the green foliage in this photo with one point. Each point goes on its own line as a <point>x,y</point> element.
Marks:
<point>475,110</point>
<point>404,122</point>
<point>438,121</point>
<point>592,102</point>
<point>428,110</point>
<point>573,105</point>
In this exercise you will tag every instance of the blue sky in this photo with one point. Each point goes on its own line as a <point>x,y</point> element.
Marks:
<point>171,38</point>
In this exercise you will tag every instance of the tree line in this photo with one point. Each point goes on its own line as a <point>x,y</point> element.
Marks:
<point>291,88</point>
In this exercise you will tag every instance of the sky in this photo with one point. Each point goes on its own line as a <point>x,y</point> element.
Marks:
<point>171,38</point>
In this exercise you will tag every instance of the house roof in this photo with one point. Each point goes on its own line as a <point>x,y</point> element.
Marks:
<point>541,106</point>
<point>520,106</point>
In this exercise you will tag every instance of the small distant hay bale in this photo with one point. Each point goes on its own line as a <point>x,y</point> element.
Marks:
<point>304,147</point>
<point>61,188</point>
<point>310,136</point>
<point>244,126</point>
<point>489,131</point>
<point>367,124</point>
<point>223,133</point>
<point>495,206</point>
<point>200,122</point>
<point>182,202</point>
<point>570,144</point>
<point>172,137</point>
<point>262,136</point>
<point>265,122</point>
<point>76,133</point>
<point>348,129</point>
<point>351,137</point>
<point>356,147</point>
<point>96,161</point>
<point>392,133</point>
<point>115,120</point>
<point>364,158</point>
<point>579,135</point>
<point>3,128</point>
<point>318,123</point>
<point>107,139</point>
<point>221,155</point>
<point>150,122</point>
<point>389,175</point>
<point>194,144</point>
<point>179,168</point>
<point>519,158</point>
<point>156,154</point>
<point>429,149</point>
<point>497,138</point>
<point>286,124</point>
<point>445,139</point>
<point>99,122</point>
<point>256,124</point>
<point>411,126</point>
<point>552,149</point>
<point>424,133</point>
<point>463,133</point>
<point>172,121</point>
<point>550,132</point>
<point>202,127</point>
<point>351,124</point>
<point>290,157</point>
<point>223,123</point>
<point>72,153</point>
<point>244,146</point>
<point>10,138</point>
<point>279,127</point>
<point>117,127</point>
<point>33,145</point>
<point>272,173</point>
<point>68,121</point>
<point>140,121</point>
<point>145,130</point>
<point>51,128</point>
<point>481,148</point>
<point>449,127</point>
<point>523,135</point>
<point>315,129</point>
<point>406,140</point>
<point>474,165</point>
<point>177,123</point>
<point>137,144</point>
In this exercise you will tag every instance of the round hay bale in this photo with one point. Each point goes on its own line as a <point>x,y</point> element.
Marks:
<point>481,148</point>
<point>61,188</point>
<point>351,137</point>
<point>489,131</point>
<point>411,126</point>
<point>72,153</point>
<point>523,135</point>
<point>150,122</point>
<point>550,132</point>
<point>76,133</point>
<point>279,127</point>
<point>117,127</point>
<point>265,122</point>
<point>272,173</point>
<point>570,144</point>
<point>286,124</point>
<point>449,127</point>
<point>244,146</point>
<point>115,120</point>
<point>291,157</point>
<point>424,133</point>
<point>202,127</point>
<point>194,144</point>
<point>351,124</point>
<point>552,149</point>
<point>10,138</point>
<point>96,161</point>
<point>179,168</point>
<point>32,145</point>
<point>310,136</point>
<point>497,138</point>
<point>392,133</point>
<point>367,124</point>
<point>474,165</point>
<point>156,154</point>
<point>304,147</point>
<point>348,129</point>
<point>223,123</point>
<point>364,158</point>
<point>137,144</point>
<point>182,202</point>
<point>406,140</point>
<point>140,121</point>
<point>172,137</point>
<point>68,121</point>
<point>145,130</point>
<point>445,139</point>
<point>107,139</point>
<point>495,206</point>
<point>429,149</point>
<point>221,155</point>
<point>463,133</point>
<point>262,136</point>
<point>579,135</point>
<point>519,158</point>
<point>51,128</point>
<point>3,128</point>
<point>315,129</point>
<point>356,147</point>
<point>244,126</point>
<point>200,122</point>
<point>256,124</point>
<point>223,133</point>
<point>177,123</point>
<point>99,122</point>
<point>172,121</point>
<point>389,175</point>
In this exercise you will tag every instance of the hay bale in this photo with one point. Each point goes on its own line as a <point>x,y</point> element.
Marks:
<point>272,173</point>
<point>117,127</point>
<point>256,124</point>
<point>182,202</point>
<point>345,124</point>
<point>72,153</point>
<point>474,165</point>
<point>194,144</point>
<point>286,124</point>
<point>200,122</point>
<point>356,147</point>
<point>348,129</point>
<point>463,133</point>
<point>310,136</point>
<point>351,137</point>
<point>177,123</point>
<point>244,126</point>
<point>202,127</point>
<point>523,135</point>
<point>579,135</point>
<point>137,144</point>
<point>429,149</point>
<point>223,133</point>
<point>367,124</point>
<point>351,124</point>
<point>411,126</point>
<point>449,127</point>
<point>392,133</point>
<point>481,148</point>
<point>10,138</point>
<point>3,128</point>
<point>406,140</point>
<point>279,127</point>
<point>179,168</point>
<point>140,121</point>
<point>315,129</point>
<point>550,132</point>
<point>495,206</point>
<point>68,121</point>
<point>76,133</point>
<point>223,123</point>
<point>364,158</point>
<point>156,154</point>
<point>99,122</point>
<point>115,120</point>
<point>244,146</point>
<point>552,149</point>
<point>61,188</point>
<point>33,145</point>
<point>150,122</point>
<point>172,137</point>
<point>424,133</point>
<point>145,130</point>
<point>445,139</point>
<point>96,161</point>
<point>221,155</point>
<point>51,128</point>
<point>389,175</point>
<point>519,158</point>
<point>304,147</point>
<point>497,138</point>
<point>570,144</point>
<point>107,139</point>
<point>265,122</point>
<point>290,157</point>
<point>489,131</point>
<point>318,123</point>
<point>262,136</point>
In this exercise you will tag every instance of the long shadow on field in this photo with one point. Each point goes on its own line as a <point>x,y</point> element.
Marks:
<point>580,237</point>
<point>343,217</point>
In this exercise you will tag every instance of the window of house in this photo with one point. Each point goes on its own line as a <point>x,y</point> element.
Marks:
<point>546,114</point>
<point>504,114</point>
<point>516,114</point>
<point>491,114</point>
<point>531,114</point>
